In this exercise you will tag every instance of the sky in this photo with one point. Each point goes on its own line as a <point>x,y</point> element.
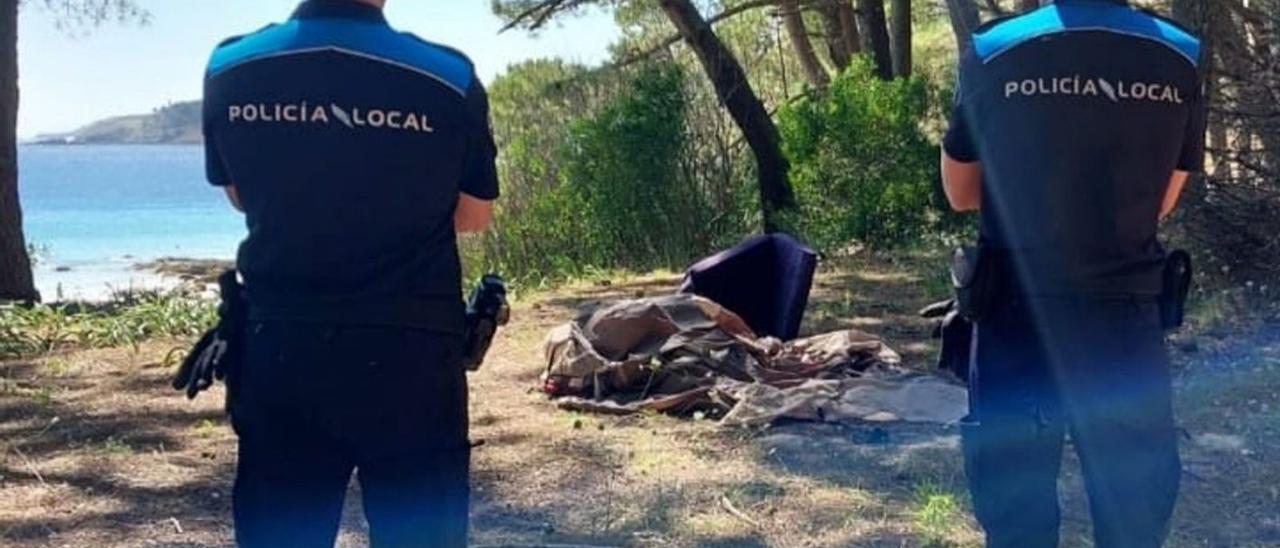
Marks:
<point>71,79</point>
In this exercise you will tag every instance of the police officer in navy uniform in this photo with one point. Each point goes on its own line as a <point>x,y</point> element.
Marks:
<point>357,153</point>
<point>1075,130</point>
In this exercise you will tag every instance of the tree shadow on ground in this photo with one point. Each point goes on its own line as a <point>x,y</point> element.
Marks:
<point>572,489</point>
<point>198,503</point>
<point>132,502</point>
<point>585,500</point>
<point>890,457</point>
<point>879,298</point>
<point>86,461</point>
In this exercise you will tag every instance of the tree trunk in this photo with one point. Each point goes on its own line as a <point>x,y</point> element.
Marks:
<point>794,21</point>
<point>901,38</point>
<point>964,18</point>
<point>748,112</point>
<point>875,35</point>
<point>833,32</point>
<point>1028,5</point>
<point>849,24</point>
<point>16,282</point>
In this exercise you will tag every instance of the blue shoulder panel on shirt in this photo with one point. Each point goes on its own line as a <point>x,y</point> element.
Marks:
<point>374,41</point>
<point>1084,16</point>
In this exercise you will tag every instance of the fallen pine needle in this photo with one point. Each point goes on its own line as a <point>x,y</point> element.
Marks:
<point>735,512</point>
<point>31,466</point>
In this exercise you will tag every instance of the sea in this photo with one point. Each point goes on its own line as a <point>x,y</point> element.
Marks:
<point>95,213</point>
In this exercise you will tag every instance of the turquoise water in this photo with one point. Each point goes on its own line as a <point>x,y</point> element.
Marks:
<point>96,211</point>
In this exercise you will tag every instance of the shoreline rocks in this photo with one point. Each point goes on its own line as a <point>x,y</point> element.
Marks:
<point>195,271</point>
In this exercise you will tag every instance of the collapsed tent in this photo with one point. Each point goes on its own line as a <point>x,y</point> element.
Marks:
<point>684,354</point>
<point>765,280</point>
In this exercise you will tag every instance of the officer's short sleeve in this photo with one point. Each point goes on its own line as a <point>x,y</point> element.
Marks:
<point>480,171</point>
<point>1193,142</point>
<point>958,142</point>
<point>215,169</point>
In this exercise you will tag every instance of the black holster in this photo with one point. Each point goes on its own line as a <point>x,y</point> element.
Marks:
<point>487,310</point>
<point>219,354</point>
<point>1178,274</point>
<point>974,275</point>
<point>956,334</point>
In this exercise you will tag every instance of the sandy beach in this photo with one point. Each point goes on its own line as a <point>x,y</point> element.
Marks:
<point>100,281</point>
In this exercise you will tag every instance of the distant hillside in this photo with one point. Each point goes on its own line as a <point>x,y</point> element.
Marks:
<point>178,123</point>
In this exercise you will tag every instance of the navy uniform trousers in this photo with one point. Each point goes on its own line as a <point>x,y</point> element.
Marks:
<point>315,403</point>
<point>1097,369</point>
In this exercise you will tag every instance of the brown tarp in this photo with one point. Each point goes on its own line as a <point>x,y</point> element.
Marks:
<point>682,354</point>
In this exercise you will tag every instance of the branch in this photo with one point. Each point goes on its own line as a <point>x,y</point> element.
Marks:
<point>537,15</point>
<point>70,14</point>
<point>675,39</point>
<point>995,8</point>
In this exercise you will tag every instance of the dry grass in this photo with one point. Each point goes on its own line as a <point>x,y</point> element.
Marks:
<point>96,451</point>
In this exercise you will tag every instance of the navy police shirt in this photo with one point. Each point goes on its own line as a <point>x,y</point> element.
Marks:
<point>1079,113</point>
<point>348,143</point>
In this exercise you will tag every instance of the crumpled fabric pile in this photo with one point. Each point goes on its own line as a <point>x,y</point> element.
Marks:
<point>686,355</point>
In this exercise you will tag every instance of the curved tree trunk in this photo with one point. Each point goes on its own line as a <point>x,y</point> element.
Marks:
<point>875,36</point>
<point>16,282</point>
<point>794,21</point>
<point>833,32</point>
<point>901,38</point>
<point>964,19</point>
<point>849,24</point>
<point>744,106</point>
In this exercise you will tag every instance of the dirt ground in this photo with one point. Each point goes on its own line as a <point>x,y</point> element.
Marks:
<point>95,450</point>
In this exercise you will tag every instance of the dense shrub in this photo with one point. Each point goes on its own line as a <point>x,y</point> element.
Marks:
<point>640,169</point>
<point>603,190</point>
<point>862,167</point>
<point>624,178</point>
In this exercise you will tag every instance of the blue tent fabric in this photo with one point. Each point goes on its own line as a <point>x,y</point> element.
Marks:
<point>765,280</point>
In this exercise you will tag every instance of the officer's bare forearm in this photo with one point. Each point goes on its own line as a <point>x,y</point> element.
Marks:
<point>472,215</point>
<point>1176,183</point>
<point>962,182</point>
<point>233,196</point>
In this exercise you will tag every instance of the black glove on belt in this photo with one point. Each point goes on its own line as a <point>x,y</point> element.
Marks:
<point>219,353</point>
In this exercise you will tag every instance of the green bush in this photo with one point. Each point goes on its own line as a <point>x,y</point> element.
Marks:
<point>623,171</point>
<point>640,169</point>
<point>862,167</point>
<point>603,191</point>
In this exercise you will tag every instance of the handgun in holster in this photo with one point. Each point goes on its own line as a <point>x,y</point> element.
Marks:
<point>1178,275</point>
<point>974,277</point>
<point>487,310</point>
<point>220,351</point>
<point>956,334</point>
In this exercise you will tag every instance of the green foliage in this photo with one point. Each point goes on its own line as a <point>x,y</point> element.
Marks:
<point>128,321</point>
<point>603,189</point>
<point>115,446</point>
<point>207,429</point>
<point>936,514</point>
<point>862,167</point>
<point>623,174</point>
<point>634,167</point>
